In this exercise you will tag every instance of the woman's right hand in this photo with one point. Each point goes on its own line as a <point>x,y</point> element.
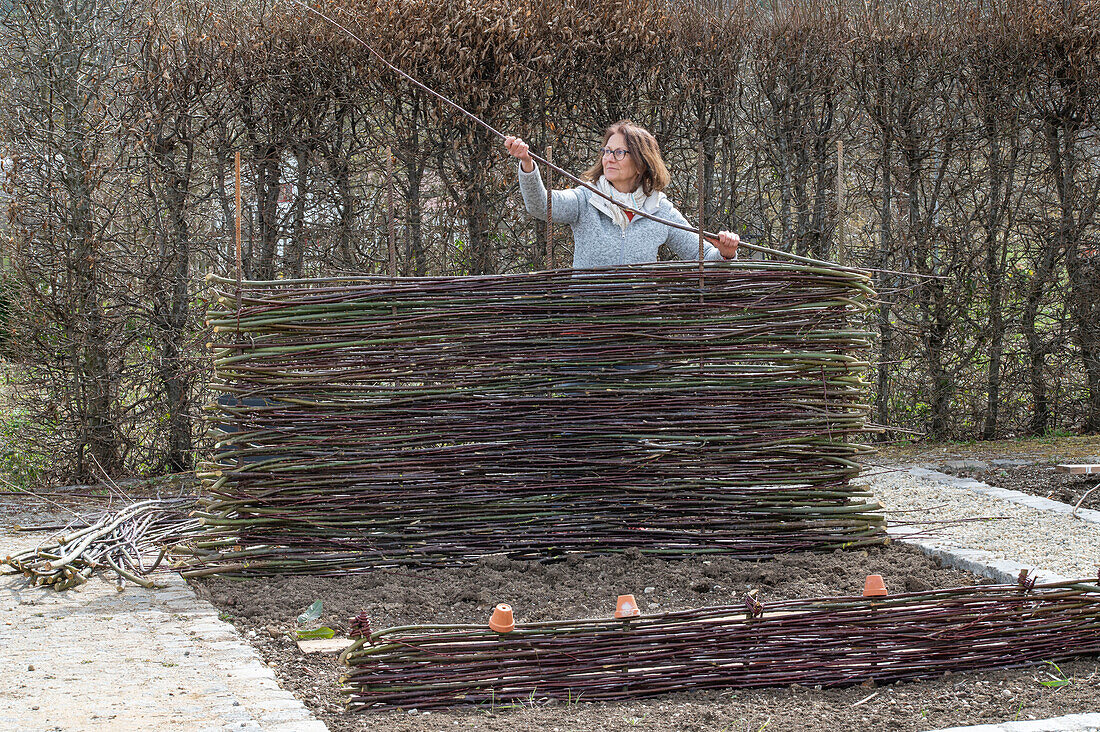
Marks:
<point>517,148</point>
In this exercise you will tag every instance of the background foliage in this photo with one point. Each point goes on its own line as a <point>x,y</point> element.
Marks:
<point>958,141</point>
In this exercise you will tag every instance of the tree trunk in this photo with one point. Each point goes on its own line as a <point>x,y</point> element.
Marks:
<point>998,219</point>
<point>97,435</point>
<point>1037,349</point>
<point>1077,210</point>
<point>296,250</point>
<point>885,246</point>
<point>267,199</point>
<point>340,169</point>
<point>173,308</point>
<point>224,191</point>
<point>478,256</point>
<point>414,171</point>
<point>931,294</point>
<point>414,251</point>
<point>1084,306</point>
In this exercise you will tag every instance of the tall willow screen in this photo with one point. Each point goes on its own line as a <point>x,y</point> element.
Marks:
<point>672,409</point>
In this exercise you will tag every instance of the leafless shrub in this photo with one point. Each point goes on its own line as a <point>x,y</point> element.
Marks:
<point>970,136</point>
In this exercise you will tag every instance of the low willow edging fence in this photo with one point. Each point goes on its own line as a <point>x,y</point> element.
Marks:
<point>378,421</point>
<point>828,642</point>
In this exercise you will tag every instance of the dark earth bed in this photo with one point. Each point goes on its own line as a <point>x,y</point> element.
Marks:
<point>1037,480</point>
<point>265,610</point>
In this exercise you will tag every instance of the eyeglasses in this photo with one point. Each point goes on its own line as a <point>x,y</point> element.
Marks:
<point>617,154</point>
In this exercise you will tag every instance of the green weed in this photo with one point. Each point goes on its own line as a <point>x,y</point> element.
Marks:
<point>1058,679</point>
<point>21,468</point>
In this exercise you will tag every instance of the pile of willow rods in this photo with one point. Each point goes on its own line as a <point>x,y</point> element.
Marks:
<point>130,542</point>
<point>424,421</point>
<point>828,642</point>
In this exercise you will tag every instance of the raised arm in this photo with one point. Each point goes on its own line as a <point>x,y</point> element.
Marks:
<point>685,244</point>
<point>567,203</point>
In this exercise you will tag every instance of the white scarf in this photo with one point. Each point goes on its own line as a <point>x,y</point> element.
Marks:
<point>637,200</point>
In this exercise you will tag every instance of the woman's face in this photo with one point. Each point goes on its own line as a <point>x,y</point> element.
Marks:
<point>623,174</point>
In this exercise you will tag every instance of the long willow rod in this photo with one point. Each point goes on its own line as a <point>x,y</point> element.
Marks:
<point>549,211</point>
<point>711,236</point>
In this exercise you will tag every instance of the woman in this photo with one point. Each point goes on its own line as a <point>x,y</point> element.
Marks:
<point>631,171</point>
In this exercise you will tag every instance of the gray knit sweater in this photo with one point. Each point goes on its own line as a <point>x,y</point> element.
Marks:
<point>598,241</point>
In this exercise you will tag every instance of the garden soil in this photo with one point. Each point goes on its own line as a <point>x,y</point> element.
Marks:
<point>1038,480</point>
<point>265,611</point>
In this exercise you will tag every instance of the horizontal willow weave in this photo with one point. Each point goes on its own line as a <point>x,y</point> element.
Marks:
<point>828,642</point>
<point>378,421</point>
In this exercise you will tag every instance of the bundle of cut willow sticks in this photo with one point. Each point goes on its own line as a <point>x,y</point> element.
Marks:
<point>379,421</point>
<point>829,642</point>
<point>130,542</point>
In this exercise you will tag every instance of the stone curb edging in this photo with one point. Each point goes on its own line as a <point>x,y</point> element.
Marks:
<point>975,561</point>
<point>1069,723</point>
<point>985,564</point>
<point>247,677</point>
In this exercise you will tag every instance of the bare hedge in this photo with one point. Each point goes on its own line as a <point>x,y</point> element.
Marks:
<point>956,142</point>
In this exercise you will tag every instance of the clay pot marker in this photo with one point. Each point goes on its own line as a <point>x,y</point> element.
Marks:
<point>873,586</point>
<point>502,621</point>
<point>626,607</point>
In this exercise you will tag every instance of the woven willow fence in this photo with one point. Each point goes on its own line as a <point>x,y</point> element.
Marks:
<point>831,642</point>
<point>379,421</point>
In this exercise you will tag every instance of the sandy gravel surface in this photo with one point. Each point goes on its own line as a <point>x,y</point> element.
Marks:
<point>1008,530</point>
<point>99,659</point>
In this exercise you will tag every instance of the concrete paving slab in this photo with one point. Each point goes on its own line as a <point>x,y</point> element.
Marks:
<point>98,659</point>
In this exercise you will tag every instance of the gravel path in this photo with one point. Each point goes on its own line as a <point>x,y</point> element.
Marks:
<point>1017,530</point>
<point>95,658</point>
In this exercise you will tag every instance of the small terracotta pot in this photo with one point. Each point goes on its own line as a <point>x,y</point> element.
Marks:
<point>874,586</point>
<point>501,620</point>
<point>626,607</point>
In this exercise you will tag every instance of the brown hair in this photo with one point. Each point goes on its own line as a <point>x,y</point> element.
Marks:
<point>643,149</point>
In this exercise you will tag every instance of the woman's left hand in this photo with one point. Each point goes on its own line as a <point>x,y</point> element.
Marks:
<point>727,244</point>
